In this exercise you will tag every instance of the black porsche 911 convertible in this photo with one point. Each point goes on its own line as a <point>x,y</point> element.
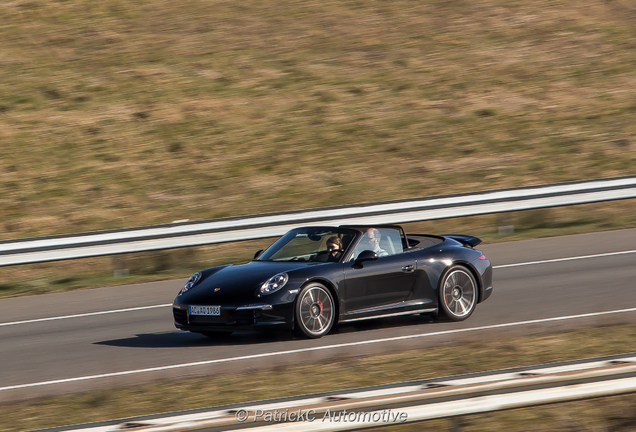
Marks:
<point>313,278</point>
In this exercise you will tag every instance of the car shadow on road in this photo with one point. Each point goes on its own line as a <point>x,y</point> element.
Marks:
<point>180,339</point>
<point>177,339</point>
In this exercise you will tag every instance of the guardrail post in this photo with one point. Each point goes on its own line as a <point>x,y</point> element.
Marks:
<point>120,267</point>
<point>505,223</point>
<point>457,424</point>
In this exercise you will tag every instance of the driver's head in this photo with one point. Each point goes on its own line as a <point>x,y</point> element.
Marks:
<point>334,244</point>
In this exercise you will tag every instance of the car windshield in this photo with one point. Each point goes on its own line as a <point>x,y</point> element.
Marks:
<point>316,244</point>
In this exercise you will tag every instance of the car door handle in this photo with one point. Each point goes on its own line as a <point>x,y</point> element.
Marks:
<point>408,268</point>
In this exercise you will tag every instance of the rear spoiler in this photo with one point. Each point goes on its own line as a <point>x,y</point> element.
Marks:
<point>466,240</point>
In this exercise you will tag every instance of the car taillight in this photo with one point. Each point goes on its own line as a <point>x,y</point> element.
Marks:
<point>482,257</point>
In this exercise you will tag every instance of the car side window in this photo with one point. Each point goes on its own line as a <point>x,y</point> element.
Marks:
<point>391,241</point>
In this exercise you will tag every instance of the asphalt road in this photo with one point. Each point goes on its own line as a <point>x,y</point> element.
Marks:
<point>97,338</point>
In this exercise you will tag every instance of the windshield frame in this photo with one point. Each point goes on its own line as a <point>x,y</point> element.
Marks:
<point>321,232</point>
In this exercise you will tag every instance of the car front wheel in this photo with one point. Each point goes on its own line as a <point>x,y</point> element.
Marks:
<point>458,294</point>
<point>315,311</point>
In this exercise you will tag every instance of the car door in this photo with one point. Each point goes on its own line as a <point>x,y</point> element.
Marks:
<point>378,285</point>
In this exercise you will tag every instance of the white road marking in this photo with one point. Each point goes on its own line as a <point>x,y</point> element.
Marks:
<point>320,348</point>
<point>565,259</point>
<point>133,309</point>
<point>84,315</point>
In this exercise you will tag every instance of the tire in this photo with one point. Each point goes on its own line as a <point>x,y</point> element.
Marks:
<point>458,294</point>
<point>314,312</point>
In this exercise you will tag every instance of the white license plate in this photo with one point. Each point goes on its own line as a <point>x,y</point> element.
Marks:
<point>205,310</point>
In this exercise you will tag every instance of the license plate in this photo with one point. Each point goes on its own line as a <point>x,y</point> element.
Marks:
<point>205,310</point>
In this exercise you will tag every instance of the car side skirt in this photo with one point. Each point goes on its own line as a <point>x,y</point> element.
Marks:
<point>389,311</point>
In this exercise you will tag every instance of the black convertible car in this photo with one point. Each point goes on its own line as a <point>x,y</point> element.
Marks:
<point>315,277</point>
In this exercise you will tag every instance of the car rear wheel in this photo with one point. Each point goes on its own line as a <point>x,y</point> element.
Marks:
<point>315,311</point>
<point>458,294</point>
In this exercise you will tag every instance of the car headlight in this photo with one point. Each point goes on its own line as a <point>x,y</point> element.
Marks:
<point>274,283</point>
<point>192,281</point>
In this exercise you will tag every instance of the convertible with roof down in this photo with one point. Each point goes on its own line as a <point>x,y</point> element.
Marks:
<point>313,278</point>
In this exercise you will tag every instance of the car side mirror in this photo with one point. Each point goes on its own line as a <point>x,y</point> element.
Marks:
<point>365,255</point>
<point>258,253</point>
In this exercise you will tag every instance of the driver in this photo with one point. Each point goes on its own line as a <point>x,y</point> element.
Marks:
<point>334,246</point>
<point>333,252</point>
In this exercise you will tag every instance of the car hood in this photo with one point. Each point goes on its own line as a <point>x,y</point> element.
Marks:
<point>236,284</point>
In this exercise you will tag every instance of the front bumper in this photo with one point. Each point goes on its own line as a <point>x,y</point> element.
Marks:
<point>247,317</point>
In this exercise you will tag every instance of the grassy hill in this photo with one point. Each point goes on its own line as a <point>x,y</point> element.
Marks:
<point>126,113</point>
<point>117,114</point>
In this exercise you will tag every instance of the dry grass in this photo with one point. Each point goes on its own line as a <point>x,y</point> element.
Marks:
<point>118,114</point>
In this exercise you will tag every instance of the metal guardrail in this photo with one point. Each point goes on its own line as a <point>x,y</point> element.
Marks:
<point>401,403</point>
<point>54,248</point>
